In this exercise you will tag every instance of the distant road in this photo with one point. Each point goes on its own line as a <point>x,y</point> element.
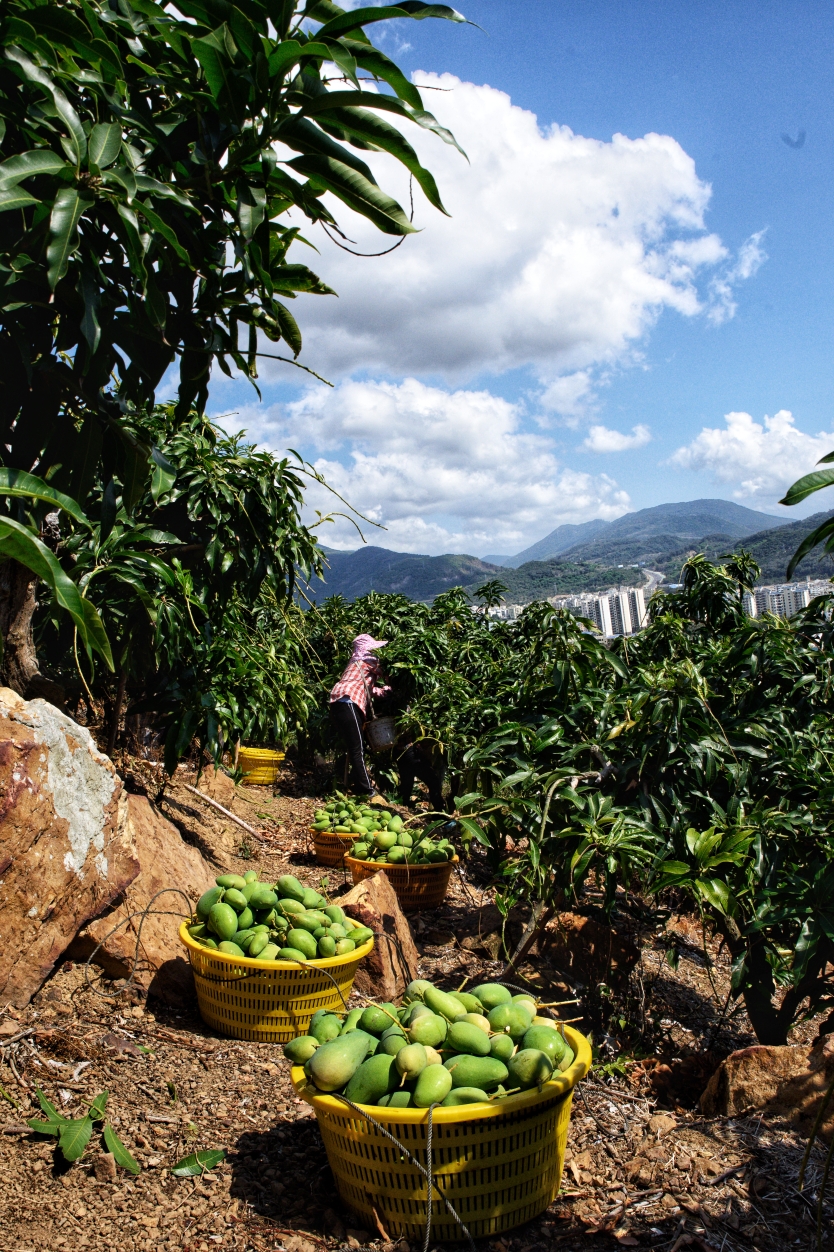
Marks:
<point>653,580</point>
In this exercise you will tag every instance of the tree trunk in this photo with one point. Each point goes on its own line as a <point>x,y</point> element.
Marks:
<point>19,661</point>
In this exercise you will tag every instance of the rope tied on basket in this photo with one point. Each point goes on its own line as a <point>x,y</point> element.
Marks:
<point>147,911</point>
<point>426,1172</point>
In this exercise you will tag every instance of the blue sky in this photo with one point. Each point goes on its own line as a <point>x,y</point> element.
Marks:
<point>570,344</point>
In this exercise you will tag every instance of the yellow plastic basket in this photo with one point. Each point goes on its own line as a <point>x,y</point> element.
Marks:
<point>331,848</point>
<point>499,1164</point>
<point>268,1001</point>
<point>260,765</point>
<point>415,886</point>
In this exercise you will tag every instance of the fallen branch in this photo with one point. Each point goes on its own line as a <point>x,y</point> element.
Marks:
<point>239,820</point>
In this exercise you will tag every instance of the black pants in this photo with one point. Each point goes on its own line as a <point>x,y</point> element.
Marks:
<point>348,719</point>
<point>415,764</point>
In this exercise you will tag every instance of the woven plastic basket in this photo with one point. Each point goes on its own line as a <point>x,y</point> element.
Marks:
<point>268,1001</point>
<point>499,1164</point>
<point>260,765</point>
<point>416,886</point>
<point>331,848</point>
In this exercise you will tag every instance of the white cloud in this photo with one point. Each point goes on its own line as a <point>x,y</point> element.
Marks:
<point>760,459</point>
<point>601,439</point>
<point>560,253</point>
<point>442,471</point>
<point>751,256</point>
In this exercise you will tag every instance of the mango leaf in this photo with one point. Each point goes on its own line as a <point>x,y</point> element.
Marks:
<point>198,1163</point>
<point>74,1137</point>
<point>50,1109</point>
<point>807,485</point>
<point>105,144</point>
<point>67,210</point>
<point>120,1153</point>
<point>18,483</point>
<point>15,198</point>
<point>47,1127</point>
<point>27,164</point>
<point>164,475</point>
<point>99,1106</point>
<point>474,829</point>
<point>357,193</point>
<point>408,8</point>
<point>715,892</point>
<point>18,542</point>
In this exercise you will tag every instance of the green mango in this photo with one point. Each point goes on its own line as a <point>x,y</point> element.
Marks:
<point>396,856</point>
<point>343,946</point>
<point>290,907</point>
<point>337,931</point>
<point>484,1072</point>
<point>236,899</point>
<point>222,921</point>
<point>319,1014</point>
<point>231,949</point>
<point>373,1042</point>
<point>304,942</point>
<point>243,938</point>
<point>395,823</point>
<point>207,943</point>
<point>415,990</point>
<point>250,876</point>
<point>207,901</point>
<point>326,946</point>
<point>198,930</point>
<point>375,1077</point>
<point>270,952</point>
<point>311,898</point>
<point>377,1018</point>
<point>361,934</point>
<point>417,1009</point>
<point>308,921</point>
<point>326,1027</point>
<point>290,887</point>
<point>501,1047</point>
<point>404,839</point>
<point>491,994</point>
<point>258,942</point>
<point>231,880</point>
<point>510,1019</point>
<point>567,1060</point>
<point>335,913</point>
<point>528,1002</point>
<point>262,898</point>
<point>443,1004</point>
<point>351,1022</point>
<point>546,1040</point>
<point>464,1037</point>
<point>478,1019</point>
<point>396,1100</point>
<point>471,1003</point>
<point>334,1063</point>
<point>433,1085</point>
<point>465,1095</point>
<point>428,1030</point>
<point>385,840</point>
<point>245,919</point>
<point>393,1041</point>
<point>529,1068</point>
<point>411,1060</point>
<point>290,954</point>
<point>301,1049</point>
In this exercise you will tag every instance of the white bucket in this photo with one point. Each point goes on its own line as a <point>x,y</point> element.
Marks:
<point>381,733</point>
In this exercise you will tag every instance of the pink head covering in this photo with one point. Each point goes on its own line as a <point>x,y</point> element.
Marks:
<point>364,646</point>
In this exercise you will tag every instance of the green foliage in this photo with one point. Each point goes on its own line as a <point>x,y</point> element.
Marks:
<point>74,1134</point>
<point>695,755</point>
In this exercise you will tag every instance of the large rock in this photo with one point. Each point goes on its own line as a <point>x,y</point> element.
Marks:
<point>65,847</point>
<point>392,964</point>
<point>788,1082</point>
<point>166,862</point>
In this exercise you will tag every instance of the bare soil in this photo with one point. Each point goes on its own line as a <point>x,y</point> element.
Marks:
<point>643,1169</point>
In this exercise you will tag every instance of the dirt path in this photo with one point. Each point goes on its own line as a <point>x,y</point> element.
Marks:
<point>642,1169</point>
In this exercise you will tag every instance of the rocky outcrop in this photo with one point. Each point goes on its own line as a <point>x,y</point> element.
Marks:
<point>166,863</point>
<point>393,962</point>
<point>65,847</point>
<point>787,1082</point>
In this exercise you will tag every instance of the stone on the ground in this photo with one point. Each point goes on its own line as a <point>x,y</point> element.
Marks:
<point>65,847</point>
<point>217,785</point>
<point>392,964</point>
<point>751,1077</point>
<point>165,861</point>
<point>788,1082</point>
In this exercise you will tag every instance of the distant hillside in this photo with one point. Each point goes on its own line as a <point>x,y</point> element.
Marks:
<point>354,574</point>
<point>643,535</point>
<point>772,549</point>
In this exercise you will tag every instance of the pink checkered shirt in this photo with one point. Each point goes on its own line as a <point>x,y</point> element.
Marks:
<point>356,683</point>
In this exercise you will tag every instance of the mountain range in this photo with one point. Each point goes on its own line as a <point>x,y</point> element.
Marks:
<point>586,558</point>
